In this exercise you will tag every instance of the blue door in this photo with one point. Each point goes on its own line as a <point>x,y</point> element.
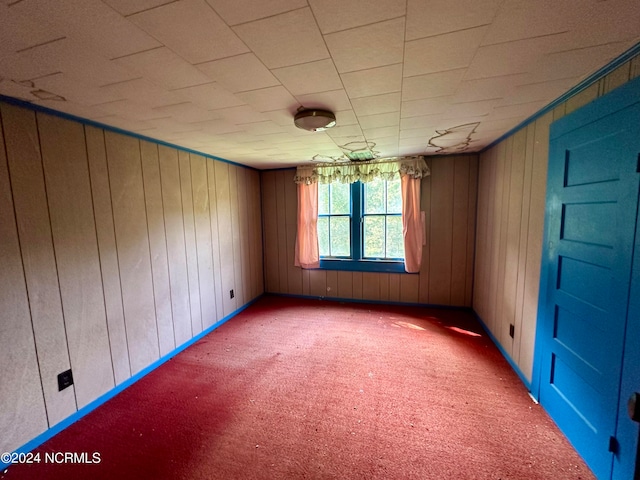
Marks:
<point>592,209</point>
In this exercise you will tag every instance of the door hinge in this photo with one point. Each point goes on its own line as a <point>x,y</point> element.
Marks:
<point>614,446</point>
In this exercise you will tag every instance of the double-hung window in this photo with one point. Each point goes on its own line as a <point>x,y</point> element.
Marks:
<point>360,226</point>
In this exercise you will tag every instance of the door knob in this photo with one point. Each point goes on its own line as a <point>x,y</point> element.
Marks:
<point>633,406</point>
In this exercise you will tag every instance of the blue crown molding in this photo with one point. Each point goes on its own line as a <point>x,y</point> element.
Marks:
<point>587,82</point>
<point>84,121</point>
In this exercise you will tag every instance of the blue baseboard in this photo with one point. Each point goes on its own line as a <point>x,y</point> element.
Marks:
<point>527,383</point>
<point>372,302</point>
<point>57,428</point>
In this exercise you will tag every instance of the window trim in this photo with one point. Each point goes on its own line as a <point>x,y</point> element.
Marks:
<point>356,263</point>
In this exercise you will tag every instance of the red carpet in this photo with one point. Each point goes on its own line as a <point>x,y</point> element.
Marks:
<point>306,389</point>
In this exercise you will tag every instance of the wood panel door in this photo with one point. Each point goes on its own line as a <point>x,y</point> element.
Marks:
<point>592,206</point>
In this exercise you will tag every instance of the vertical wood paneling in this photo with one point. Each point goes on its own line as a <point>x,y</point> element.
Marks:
<point>157,245</point>
<point>176,253</point>
<point>190,241</point>
<point>281,223</point>
<point>215,239</point>
<point>441,232</point>
<point>471,229</point>
<point>332,283</point>
<point>318,283</point>
<point>223,205</point>
<point>357,282</point>
<point>270,229</point>
<point>40,270</point>
<point>24,415</point>
<point>202,222</point>
<point>460,223</point>
<point>383,280</point>
<point>425,206</point>
<point>235,235</point>
<point>345,284</point>
<point>66,172</point>
<point>394,287</point>
<point>243,205</point>
<point>101,193</point>
<point>585,96</point>
<point>130,220</point>
<point>514,213</point>
<point>370,286</point>
<point>257,258</point>
<point>409,288</point>
<point>294,274</point>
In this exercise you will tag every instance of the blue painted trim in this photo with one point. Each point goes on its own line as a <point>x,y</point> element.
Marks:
<point>363,266</point>
<point>371,302</point>
<point>587,82</point>
<point>57,428</point>
<point>505,354</point>
<point>85,121</point>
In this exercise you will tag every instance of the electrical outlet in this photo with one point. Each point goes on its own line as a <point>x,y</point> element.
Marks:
<point>231,294</point>
<point>511,330</point>
<point>65,379</point>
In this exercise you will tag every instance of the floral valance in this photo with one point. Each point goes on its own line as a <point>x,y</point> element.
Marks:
<point>365,171</point>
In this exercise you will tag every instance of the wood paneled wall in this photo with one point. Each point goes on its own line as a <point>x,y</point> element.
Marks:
<point>114,251</point>
<point>511,205</point>
<point>446,275</point>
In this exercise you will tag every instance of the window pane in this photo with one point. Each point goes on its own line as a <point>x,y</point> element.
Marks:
<point>340,198</point>
<point>340,237</point>
<point>374,196</point>
<point>395,243</point>
<point>373,233</point>
<point>394,196</point>
<point>323,199</point>
<point>323,236</point>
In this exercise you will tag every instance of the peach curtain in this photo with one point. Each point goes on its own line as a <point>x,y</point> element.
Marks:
<point>307,254</point>
<point>412,223</point>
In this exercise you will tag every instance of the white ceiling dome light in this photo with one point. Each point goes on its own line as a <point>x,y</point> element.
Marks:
<point>314,119</point>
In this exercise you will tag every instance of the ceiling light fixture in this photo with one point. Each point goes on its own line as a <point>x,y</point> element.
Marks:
<point>314,120</point>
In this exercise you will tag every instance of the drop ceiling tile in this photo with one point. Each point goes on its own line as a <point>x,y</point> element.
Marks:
<point>340,131</point>
<point>75,91</point>
<point>240,73</point>
<point>91,23</point>
<point>426,106</point>
<point>241,114</point>
<point>335,100</point>
<point>373,81</point>
<point>518,110</point>
<point>164,67</point>
<point>575,63</point>
<point>367,47</point>
<point>589,29</point>
<point>501,125</point>
<point>389,102</point>
<point>16,90</point>
<point>312,77</point>
<point>470,109</point>
<point>380,120</point>
<point>510,58</point>
<point>487,88</point>
<point>337,15</point>
<point>187,112</point>
<point>373,134</point>
<point>519,19</point>
<point>76,109</point>
<point>191,29</point>
<point>130,110</point>
<point>263,128</point>
<point>209,96</point>
<point>427,18</point>
<point>448,51</point>
<point>142,91</point>
<point>218,127</point>
<point>538,91</point>
<point>282,117</point>
<point>235,12</point>
<point>267,99</point>
<point>423,121</point>
<point>423,132</point>
<point>20,30</point>
<point>127,7</point>
<point>432,85</point>
<point>286,39</point>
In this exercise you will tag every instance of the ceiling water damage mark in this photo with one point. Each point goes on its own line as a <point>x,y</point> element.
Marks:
<point>452,140</point>
<point>360,150</point>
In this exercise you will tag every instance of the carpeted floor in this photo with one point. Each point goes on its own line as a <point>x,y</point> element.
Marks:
<point>293,389</point>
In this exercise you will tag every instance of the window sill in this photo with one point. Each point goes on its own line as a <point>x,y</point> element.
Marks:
<point>381,266</point>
